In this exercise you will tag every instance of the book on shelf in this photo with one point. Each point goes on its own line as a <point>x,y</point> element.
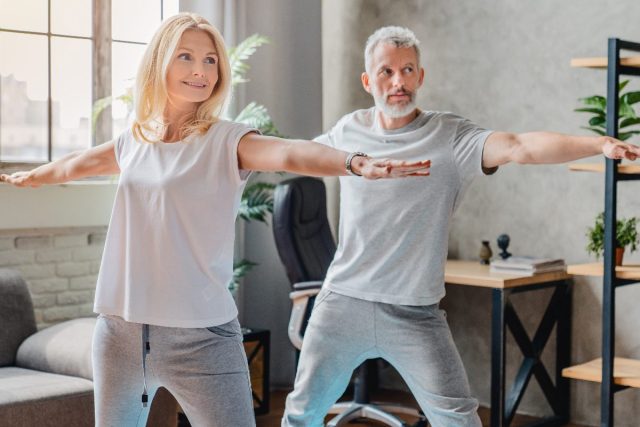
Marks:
<point>527,266</point>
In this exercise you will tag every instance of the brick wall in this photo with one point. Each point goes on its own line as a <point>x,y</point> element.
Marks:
<point>60,267</point>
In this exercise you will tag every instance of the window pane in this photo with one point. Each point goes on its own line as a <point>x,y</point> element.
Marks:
<point>24,15</point>
<point>134,20</point>
<point>23,97</point>
<point>125,60</point>
<point>70,95</point>
<point>170,8</point>
<point>71,17</point>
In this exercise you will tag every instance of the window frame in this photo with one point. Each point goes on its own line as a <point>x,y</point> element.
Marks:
<point>101,69</point>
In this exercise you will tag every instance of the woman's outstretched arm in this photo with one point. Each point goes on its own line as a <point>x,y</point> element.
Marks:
<point>271,154</point>
<point>95,161</point>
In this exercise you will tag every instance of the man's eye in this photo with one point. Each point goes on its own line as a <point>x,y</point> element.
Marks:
<point>408,69</point>
<point>387,72</point>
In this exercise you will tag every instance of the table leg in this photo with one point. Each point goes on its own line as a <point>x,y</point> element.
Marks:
<point>498,340</point>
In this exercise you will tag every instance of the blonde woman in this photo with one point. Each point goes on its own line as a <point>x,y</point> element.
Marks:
<point>166,317</point>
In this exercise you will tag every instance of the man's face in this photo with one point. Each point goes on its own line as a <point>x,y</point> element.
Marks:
<point>393,79</point>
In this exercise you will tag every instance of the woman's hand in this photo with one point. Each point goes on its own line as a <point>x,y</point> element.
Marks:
<point>19,179</point>
<point>387,168</point>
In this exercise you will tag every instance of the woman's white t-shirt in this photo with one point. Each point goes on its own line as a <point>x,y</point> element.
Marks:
<point>168,256</point>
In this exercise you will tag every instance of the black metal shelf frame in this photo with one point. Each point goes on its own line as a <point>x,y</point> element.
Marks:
<point>610,282</point>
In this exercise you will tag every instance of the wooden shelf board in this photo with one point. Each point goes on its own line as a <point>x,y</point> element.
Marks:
<point>596,269</point>
<point>633,61</point>
<point>626,372</point>
<point>623,168</point>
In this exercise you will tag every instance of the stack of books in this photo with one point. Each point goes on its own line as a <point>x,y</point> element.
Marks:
<point>527,266</point>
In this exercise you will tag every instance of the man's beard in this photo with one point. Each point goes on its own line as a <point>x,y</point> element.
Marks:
<point>395,111</point>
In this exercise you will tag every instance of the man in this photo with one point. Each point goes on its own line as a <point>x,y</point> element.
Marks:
<point>380,297</point>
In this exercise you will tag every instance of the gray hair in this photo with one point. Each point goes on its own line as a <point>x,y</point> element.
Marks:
<point>397,36</point>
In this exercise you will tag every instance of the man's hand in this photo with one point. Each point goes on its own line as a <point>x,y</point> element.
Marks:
<point>19,179</point>
<point>386,168</point>
<point>615,149</point>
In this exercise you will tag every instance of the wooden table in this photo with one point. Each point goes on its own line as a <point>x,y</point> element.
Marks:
<point>503,315</point>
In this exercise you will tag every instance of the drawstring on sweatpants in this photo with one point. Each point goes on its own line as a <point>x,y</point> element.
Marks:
<point>145,350</point>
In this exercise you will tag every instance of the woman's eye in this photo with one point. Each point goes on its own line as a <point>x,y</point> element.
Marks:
<point>210,60</point>
<point>184,56</point>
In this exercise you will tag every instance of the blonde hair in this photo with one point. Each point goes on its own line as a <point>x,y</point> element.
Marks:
<point>151,96</point>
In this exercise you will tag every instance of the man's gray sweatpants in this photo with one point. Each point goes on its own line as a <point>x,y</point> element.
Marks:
<point>204,368</point>
<point>343,332</point>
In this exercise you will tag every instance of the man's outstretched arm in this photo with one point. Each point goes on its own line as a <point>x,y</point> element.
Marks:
<point>548,147</point>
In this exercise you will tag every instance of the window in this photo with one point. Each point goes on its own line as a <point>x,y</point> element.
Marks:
<point>58,58</point>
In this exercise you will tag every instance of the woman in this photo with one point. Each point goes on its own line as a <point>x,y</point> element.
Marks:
<point>168,254</point>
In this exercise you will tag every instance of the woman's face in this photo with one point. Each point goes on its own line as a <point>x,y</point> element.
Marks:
<point>193,71</point>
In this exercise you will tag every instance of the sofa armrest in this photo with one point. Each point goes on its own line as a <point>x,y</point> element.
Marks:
<point>63,349</point>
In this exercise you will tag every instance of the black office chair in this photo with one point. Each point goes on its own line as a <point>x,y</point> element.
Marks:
<point>306,248</point>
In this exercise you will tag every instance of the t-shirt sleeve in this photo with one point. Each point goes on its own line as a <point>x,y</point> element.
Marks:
<point>119,145</point>
<point>237,131</point>
<point>327,138</point>
<point>468,144</point>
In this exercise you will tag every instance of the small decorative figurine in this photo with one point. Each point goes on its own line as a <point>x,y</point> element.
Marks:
<point>485,253</point>
<point>503,243</point>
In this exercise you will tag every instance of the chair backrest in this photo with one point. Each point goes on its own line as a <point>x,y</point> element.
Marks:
<point>301,229</point>
<point>17,320</point>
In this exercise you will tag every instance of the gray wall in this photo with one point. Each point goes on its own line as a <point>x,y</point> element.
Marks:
<point>505,65</point>
<point>286,78</point>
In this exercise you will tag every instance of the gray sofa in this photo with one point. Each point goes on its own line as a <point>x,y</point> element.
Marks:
<point>45,376</point>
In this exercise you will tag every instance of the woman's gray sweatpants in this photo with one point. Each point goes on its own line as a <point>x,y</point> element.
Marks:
<point>343,332</point>
<point>204,368</point>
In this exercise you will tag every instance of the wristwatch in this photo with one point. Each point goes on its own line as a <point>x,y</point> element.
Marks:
<point>347,162</point>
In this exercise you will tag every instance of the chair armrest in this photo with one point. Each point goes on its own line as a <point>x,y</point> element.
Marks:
<point>312,284</point>
<point>63,349</point>
<point>300,299</point>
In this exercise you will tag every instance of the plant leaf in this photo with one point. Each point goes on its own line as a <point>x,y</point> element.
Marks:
<point>626,111</point>
<point>257,202</point>
<point>240,269</point>
<point>596,121</point>
<point>596,101</point>
<point>591,110</point>
<point>242,52</point>
<point>593,129</point>
<point>629,122</point>
<point>256,116</point>
<point>630,97</point>
<point>622,85</point>
<point>623,136</point>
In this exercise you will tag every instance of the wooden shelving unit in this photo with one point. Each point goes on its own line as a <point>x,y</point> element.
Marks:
<point>626,372</point>
<point>602,62</point>
<point>596,269</point>
<point>613,373</point>
<point>623,169</point>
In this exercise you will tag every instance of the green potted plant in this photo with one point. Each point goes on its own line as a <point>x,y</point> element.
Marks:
<point>597,106</point>
<point>626,235</point>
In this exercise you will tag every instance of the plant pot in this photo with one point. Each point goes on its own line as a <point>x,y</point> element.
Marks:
<point>619,256</point>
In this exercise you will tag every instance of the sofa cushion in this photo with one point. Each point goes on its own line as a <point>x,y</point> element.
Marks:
<point>31,398</point>
<point>63,349</point>
<point>18,385</point>
<point>16,315</point>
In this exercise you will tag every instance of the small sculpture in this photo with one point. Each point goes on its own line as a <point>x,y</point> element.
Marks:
<point>503,243</point>
<point>485,253</point>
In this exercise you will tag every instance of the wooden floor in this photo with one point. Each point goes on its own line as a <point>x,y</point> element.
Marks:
<point>277,407</point>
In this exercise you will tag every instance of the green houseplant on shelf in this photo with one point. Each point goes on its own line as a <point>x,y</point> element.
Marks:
<point>626,235</point>
<point>596,105</point>
<point>257,199</point>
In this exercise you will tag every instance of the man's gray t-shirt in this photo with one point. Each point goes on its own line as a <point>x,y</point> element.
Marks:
<point>393,234</point>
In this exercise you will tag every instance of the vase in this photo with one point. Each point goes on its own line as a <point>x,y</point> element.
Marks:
<point>485,253</point>
<point>619,256</point>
